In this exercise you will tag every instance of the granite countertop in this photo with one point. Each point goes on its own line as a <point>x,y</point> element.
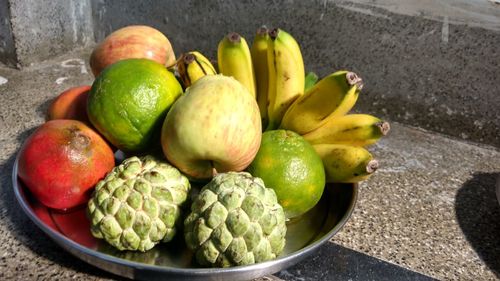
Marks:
<point>430,208</point>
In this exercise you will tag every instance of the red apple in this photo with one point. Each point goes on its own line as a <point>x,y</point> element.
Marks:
<point>62,161</point>
<point>70,104</point>
<point>135,41</point>
<point>214,127</point>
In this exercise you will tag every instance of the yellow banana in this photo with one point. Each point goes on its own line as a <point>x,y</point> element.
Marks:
<point>351,129</point>
<point>234,59</point>
<point>332,96</point>
<point>346,163</point>
<point>259,61</point>
<point>192,66</point>
<point>286,75</point>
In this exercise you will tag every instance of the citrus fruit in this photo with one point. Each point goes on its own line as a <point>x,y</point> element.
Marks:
<point>287,163</point>
<point>128,102</point>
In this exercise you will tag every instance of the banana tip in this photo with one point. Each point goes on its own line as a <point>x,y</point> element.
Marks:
<point>372,166</point>
<point>354,79</point>
<point>384,127</point>
<point>263,30</point>
<point>273,33</point>
<point>188,58</point>
<point>234,37</point>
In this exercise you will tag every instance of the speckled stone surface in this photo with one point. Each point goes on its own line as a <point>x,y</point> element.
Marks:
<point>430,208</point>
<point>334,262</point>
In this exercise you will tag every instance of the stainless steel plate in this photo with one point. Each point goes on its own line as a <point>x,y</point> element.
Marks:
<point>173,261</point>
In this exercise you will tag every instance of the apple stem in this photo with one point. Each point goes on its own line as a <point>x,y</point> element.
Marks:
<point>214,172</point>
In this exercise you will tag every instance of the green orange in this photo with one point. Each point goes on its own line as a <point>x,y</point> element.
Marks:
<point>129,100</point>
<point>289,164</point>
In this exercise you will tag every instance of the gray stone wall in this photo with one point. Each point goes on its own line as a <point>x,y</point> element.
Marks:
<point>43,29</point>
<point>7,50</point>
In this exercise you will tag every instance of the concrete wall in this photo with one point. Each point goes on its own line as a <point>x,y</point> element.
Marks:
<point>44,29</point>
<point>7,50</point>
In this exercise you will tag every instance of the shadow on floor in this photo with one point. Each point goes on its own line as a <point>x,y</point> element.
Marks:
<point>478,214</point>
<point>28,234</point>
<point>43,108</point>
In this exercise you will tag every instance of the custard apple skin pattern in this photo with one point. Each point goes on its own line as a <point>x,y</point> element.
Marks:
<point>235,220</point>
<point>138,204</point>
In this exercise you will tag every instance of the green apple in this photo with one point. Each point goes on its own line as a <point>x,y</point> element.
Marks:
<point>214,127</point>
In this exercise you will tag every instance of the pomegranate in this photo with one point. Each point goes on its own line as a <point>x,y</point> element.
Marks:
<point>62,161</point>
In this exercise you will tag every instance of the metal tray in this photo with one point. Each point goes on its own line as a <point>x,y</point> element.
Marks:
<point>498,189</point>
<point>173,261</point>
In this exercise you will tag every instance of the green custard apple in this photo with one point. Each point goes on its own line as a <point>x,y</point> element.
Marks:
<point>235,220</point>
<point>138,204</point>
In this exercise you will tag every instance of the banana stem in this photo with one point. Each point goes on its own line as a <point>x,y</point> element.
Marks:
<point>272,126</point>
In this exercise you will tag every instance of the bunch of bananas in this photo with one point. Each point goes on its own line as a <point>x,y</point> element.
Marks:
<point>321,117</point>
<point>272,69</point>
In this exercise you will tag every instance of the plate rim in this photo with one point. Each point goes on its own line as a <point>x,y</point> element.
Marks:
<point>65,242</point>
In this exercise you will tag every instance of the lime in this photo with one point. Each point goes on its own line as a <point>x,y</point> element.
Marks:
<point>129,100</point>
<point>287,163</point>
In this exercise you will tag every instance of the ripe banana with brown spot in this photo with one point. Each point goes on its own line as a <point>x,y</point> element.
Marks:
<point>346,163</point>
<point>332,96</point>
<point>234,59</point>
<point>351,129</point>
<point>191,66</point>
<point>286,75</point>
<point>258,52</point>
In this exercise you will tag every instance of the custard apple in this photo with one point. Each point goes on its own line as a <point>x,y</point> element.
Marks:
<point>235,220</point>
<point>138,204</point>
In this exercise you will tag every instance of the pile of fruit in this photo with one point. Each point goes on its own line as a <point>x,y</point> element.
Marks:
<point>261,135</point>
